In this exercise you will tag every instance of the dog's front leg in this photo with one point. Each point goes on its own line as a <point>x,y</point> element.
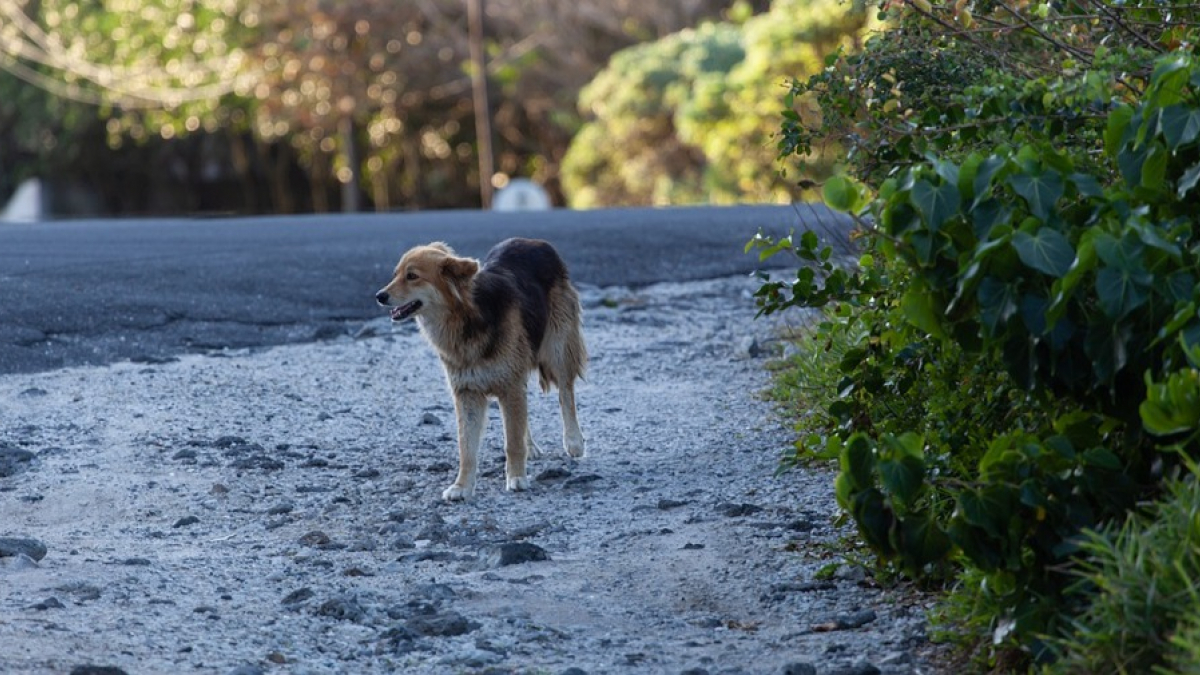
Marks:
<point>515,411</point>
<point>470,408</point>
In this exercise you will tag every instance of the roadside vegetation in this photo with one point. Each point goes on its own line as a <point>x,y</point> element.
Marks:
<point>1009,378</point>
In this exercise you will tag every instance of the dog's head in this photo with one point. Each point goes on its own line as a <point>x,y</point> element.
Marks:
<point>429,279</point>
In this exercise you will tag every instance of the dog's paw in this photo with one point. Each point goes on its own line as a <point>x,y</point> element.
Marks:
<point>457,493</point>
<point>518,484</point>
<point>575,449</point>
<point>532,450</point>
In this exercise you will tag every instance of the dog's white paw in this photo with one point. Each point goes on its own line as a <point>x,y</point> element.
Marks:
<point>574,447</point>
<point>518,484</point>
<point>457,493</point>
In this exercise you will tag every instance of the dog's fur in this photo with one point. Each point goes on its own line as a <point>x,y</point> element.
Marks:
<point>492,323</point>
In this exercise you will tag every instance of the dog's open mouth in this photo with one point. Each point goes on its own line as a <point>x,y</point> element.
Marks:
<point>406,310</point>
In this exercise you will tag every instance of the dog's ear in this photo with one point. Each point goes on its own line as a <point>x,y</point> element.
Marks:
<point>459,269</point>
<point>443,247</point>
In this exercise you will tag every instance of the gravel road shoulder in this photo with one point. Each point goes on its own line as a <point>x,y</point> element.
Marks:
<point>278,511</point>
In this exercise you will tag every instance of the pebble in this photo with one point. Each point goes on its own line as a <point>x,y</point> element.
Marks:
<point>185,521</point>
<point>97,670</point>
<point>441,624</point>
<point>14,546</point>
<point>514,553</point>
<point>14,460</point>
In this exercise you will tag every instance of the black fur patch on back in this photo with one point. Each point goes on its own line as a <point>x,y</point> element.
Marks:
<point>520,271</point>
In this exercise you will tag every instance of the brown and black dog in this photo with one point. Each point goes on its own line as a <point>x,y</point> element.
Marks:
<point>492,324</point>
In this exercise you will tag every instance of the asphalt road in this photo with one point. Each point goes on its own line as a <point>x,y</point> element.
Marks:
<point>95,292</point>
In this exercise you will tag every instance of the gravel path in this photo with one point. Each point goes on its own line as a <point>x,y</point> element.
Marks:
<point>278,511</point>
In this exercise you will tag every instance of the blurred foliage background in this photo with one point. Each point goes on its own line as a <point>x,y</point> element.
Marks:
<point>244,106</point>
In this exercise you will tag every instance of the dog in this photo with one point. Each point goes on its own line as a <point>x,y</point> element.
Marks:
<point>492,323</point>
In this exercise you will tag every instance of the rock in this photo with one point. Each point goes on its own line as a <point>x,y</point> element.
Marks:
<point>553,473</point>
<point>316,538</point>
<point>33,392</point>
<point>97,670</point>
<point>185,521</point>
<point>297,596</point>
<point>345,608</point>
<point>48,603</point>
<point>514,553</point>
<point>14,546</point>
<point>583,480</point>
<point>135,562</point>
<point>856,620</point>
<point>694,671</point>
<point>14,460</point>
<point>730,510</point>
<point>861,668</point>
<point>18,562</point>
<point>82,592</point>
<point>431,419</point>
<point>441,624</point>
<point>799,669</point>
<point>668,504</point>
<point>574,671</point>
<point>281,508</point>
<point>258,462</point>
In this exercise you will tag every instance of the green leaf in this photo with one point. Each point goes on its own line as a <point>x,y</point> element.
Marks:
<point>1120,291</point>
<point>902,477</point>
<point>936,204</point>
<point>1180,125</point>
<point>1087,185</point>
<point>1187,181</point>
<point>858,462</point>
<point>1041,192</point>
<point>919,309</point>
<point>1046,251</point>
<point>1114,132</point>
<point>1154,169</point>
<point>843,194</point>
<point>922,543</point>
<point>997,302</point>
<point>983,176</point>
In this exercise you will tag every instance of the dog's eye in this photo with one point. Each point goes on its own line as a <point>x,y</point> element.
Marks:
<point>411,276</point>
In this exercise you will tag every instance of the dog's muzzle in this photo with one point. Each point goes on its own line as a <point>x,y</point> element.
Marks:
<point>406,310</point>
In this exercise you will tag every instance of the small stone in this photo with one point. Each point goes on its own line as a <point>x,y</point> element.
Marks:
<point>297,596</point>
<point>583,480</point>
<point>281,508</point>
<point>184,454</point>
<point>97,670</point>
<point>14,460</point>
<point>861,668</point>
<point>33,392</point>
<point>730,510</point>
<point>315,538</point>
<point>19,562</point>
<point>367,473</point>
<point>48,603</point>
<point>668,504</point>
<point>276,657</point>
<point>694,671</point>
<point>574,671</point>
<point>799,669</point>
<point>856,620</point>
<point>14,546</point>
<point>443,624</point>
<point>344,608</point>
<point>185,521</point>
<point>136,562</point>
<point>514,553</point>
<point>553,473</point>
<point>219,489</point>
<point>431,419</point>
<point>692,547</point>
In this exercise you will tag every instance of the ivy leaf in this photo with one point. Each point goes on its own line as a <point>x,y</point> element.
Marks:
<point>1046,251</point>
<point>1120,291</point>
<point>997,302</point>
<point>1114,132</point>
<point>937,204</point>
<point>918,308</point>
<point>1188,181</point>
<point>1154,169</point>
<point>983,176</point>
<point>843,194</point>
<point>1041,192</point>
<point>1180,125</point>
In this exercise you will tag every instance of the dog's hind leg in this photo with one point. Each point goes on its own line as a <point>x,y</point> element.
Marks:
<point>572,435</point>
<point>471,409</point>
<point>514,409</point>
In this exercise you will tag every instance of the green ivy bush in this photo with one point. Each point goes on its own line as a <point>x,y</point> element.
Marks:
<point>1022,335</point>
